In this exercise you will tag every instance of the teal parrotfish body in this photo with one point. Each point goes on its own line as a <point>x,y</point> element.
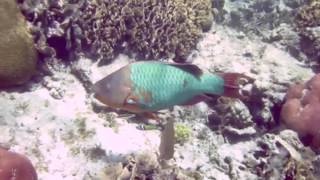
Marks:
<point>149,86</point>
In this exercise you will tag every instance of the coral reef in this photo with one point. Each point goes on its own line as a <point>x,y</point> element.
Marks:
<point>101,29</point>
<point>272,21</point>
<point>308,24</point>
<point>282,159</point>
<point>15,166</point>
<point>151,29</point>
<point>257,16</point>
<point>144,166</point>
<point>70,136</point>
<point>17,53</point>
<point>301,110</point>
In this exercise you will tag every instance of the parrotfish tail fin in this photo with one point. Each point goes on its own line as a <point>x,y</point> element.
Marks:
<point>234,83</point>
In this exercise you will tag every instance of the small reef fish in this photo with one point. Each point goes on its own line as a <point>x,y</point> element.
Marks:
<point>149,86</point>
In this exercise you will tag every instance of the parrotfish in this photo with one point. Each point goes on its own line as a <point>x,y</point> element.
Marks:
<point>149,86</point>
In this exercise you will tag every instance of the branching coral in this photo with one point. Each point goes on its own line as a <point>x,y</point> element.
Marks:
<point>149,29</point>
<point>15,166</point>
<point>301,111</point>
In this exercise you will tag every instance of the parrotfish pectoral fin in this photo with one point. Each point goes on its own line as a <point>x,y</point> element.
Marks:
<point>233,83</point>
<point>151,115</point>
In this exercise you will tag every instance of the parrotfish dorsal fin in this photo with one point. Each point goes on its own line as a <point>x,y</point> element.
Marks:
<point>190,68</point>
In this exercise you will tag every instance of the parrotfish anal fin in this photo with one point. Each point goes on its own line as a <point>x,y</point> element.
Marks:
<point>196,99</point>
<point>232,84</point>
<point>190,68</point>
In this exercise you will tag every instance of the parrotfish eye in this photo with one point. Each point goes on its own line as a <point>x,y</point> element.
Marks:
<point>130,101</point>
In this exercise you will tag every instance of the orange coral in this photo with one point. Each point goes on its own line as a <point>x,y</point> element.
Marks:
<point>15,166</point>
<point>301,111</point>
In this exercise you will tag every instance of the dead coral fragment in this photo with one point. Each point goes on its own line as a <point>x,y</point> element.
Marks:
<point>15,166</point>
<point>301,111</point>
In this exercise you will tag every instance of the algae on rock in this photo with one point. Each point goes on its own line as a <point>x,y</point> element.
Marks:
<point>17,54</point>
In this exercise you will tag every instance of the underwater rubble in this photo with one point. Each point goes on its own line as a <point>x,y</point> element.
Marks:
<point>54,120</point>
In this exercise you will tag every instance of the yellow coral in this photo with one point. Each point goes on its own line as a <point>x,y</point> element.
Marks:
<point>182,133</point>
<point>17,54</point>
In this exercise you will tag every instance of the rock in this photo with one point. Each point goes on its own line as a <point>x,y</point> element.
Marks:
<point>17,54</point>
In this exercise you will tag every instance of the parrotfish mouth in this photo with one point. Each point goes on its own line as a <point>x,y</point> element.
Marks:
<point>237,85</point>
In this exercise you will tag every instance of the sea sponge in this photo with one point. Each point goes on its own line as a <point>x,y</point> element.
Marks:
<point>308,25</point>
<point>301,110</point>
<point>17,54</point>
<point>15,166</point>
<point>148,28</point>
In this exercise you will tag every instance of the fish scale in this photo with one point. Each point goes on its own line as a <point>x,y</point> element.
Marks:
<point>166,84</point>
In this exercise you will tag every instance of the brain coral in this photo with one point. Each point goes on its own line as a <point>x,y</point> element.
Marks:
<point>301,111</point>
<point>15,166</point>
<point>308,24</point>
<point>17,53</point>
<point>147,28</point>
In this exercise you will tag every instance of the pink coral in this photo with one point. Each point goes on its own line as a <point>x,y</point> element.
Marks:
<point>15,166</point>
<point>301,111</point>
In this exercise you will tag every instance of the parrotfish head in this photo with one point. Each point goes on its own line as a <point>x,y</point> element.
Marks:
<point>114,88</point>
